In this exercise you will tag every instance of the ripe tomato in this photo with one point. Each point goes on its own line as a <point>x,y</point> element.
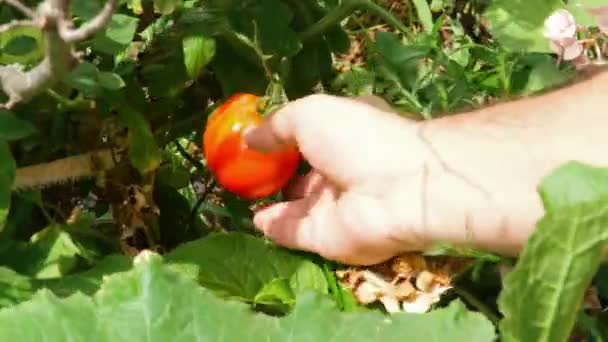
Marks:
<point>240,170</point>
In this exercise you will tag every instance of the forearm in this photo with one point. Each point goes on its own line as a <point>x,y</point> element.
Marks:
<point>497,156</point>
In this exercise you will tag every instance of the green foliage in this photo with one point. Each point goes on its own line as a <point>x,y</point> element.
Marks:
<point>144,89</point>
<point>152,302</point>
<point>543,294</point>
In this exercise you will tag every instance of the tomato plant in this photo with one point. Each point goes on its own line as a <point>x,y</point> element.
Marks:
<point>248,173</point>
<point>101,105</point>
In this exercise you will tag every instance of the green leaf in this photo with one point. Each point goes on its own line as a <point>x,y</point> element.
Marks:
<point>153,303</point>
<point>396,61</point>
<point>266,24</point>
<point>88,281</point>
<point>424,14</point>
<point>14,128</point>
<point>165,6</point>
<point>144,153</point>
<point>238,265</point>
<point>117,36</point>
<point>14,287</point>
<point>518,24</point>
<point>198,52</point>
<point>8,168</point>
<point>22,44</point>
<point>236,74</point>
<point>545,74</point>
<point>572,184</point>
<point>50,253</point>
<point>89,80</point>
<point>542,295</point>
<point>110,80</point>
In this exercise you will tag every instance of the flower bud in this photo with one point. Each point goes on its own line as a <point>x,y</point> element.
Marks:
<point>560,28</point>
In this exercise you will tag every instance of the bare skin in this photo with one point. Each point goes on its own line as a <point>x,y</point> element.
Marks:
<point>383,185</point>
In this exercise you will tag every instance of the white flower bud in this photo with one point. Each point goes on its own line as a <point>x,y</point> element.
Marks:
<point>560,28</point>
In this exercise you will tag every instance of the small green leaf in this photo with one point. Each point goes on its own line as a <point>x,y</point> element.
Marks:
<point>144,153</point>
<point>239,265</point>
<point>424,14</point>
<point>85,78</point>
<point>545,75</point>
<point>542,295</point>
<point>277,292</point>
<point>110,80</point>
<point>518,25</point>
<point>198,52</point>
<point>14,128</point>
<point>165,6</point>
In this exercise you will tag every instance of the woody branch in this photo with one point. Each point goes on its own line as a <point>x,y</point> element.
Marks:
<point>53,18</point>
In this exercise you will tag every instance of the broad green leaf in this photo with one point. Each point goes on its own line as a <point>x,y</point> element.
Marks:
<point>13,50</point>
<point>20,46</point>
<point>572,184</point>
<point>51,253</point>
<point>424,14</point>
<point>144,153</point>
<point>308,68</point>
<point>14,287</point>
<point>518,24</point>
<point>8,169</point>
<point>198,52</point>
<point>14,128</point>
<point>153,303</point>
<point>88,281</point>
<point>239,265</point>
<point>86,9</point>
<point>542,295</point>
<point>117,36</point>
<point>236,74</point>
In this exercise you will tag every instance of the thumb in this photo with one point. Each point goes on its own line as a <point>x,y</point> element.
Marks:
<point>274,134</point>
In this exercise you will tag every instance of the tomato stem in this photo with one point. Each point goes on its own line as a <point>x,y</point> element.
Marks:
<point>344,10</point>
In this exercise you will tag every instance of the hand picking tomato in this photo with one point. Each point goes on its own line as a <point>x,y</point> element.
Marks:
<point>240,170</point>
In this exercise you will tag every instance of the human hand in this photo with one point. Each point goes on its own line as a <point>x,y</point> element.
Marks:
<point>382,185</point>
<point>353,206</point>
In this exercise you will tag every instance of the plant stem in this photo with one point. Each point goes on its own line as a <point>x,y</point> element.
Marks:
<point>479,305</point>
<point>344,10</point>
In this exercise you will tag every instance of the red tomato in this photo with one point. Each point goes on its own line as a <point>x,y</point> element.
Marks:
<point>240,170</point>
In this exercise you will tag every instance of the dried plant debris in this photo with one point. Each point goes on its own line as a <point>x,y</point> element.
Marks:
<point>408,283</point>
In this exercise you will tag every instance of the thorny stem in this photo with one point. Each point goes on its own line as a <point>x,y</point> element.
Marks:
<point>54,19</point>
<point>346,9</point>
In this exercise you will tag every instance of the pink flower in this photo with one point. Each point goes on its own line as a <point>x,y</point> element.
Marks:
<point>560,29</point>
